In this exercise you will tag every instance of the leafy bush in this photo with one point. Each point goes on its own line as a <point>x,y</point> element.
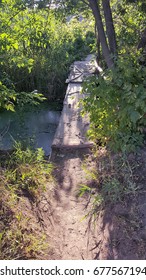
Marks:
<point>117,105</point>
<point>37,47</point>
<point>7,97</point>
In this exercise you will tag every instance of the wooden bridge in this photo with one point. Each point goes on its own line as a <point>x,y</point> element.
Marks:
<point>72,128</point>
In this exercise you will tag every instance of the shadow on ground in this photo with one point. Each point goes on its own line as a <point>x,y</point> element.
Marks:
<point>118,207</point>
<point>113,229</point>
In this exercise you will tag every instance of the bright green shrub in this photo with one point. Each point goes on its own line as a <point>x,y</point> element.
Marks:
<point>117,105</point>
<point>37,47</point>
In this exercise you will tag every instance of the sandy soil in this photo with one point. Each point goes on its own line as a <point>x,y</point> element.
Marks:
<point>72,237</point>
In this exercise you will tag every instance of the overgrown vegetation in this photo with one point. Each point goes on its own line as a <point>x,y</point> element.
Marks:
<point>24,178</point>
<point>37,48</point>
<point>116,100</point>
<point>117,105</point>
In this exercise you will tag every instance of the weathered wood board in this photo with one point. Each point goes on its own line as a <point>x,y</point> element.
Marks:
<point>72,128</point>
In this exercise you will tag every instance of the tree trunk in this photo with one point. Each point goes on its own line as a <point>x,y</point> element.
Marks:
<point>97,43</point>
<point>105,49</point>
<point>110,30</point>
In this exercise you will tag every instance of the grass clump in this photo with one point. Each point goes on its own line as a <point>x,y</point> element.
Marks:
<point>29,171</point>
<point>24,176</point>
<point>111,180</point>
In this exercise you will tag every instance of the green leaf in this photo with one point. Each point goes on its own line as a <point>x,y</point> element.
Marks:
<point>10,107</point>
<point>135,116</point>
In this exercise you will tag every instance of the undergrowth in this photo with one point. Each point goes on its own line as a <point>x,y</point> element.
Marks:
<point>24,176</point>
<point>112,180</point>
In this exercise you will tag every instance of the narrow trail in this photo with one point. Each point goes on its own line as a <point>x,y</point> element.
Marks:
<point>73,237</point>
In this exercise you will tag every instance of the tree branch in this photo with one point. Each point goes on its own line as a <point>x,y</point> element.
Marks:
<point>85,2</point>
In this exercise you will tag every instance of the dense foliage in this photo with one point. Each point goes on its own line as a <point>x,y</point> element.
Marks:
<point>117,100</point>
<point>117,105</point>
<point>37,48</point>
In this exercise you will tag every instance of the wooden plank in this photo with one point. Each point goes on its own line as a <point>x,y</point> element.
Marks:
<point>79,71</point>
<point>81,146</point>
<point>72,128</point>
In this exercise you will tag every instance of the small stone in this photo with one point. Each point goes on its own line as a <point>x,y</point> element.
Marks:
<point>45,208</point>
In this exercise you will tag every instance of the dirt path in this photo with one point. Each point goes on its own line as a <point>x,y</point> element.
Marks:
<point>72,238</point>
<point>119,230</point>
